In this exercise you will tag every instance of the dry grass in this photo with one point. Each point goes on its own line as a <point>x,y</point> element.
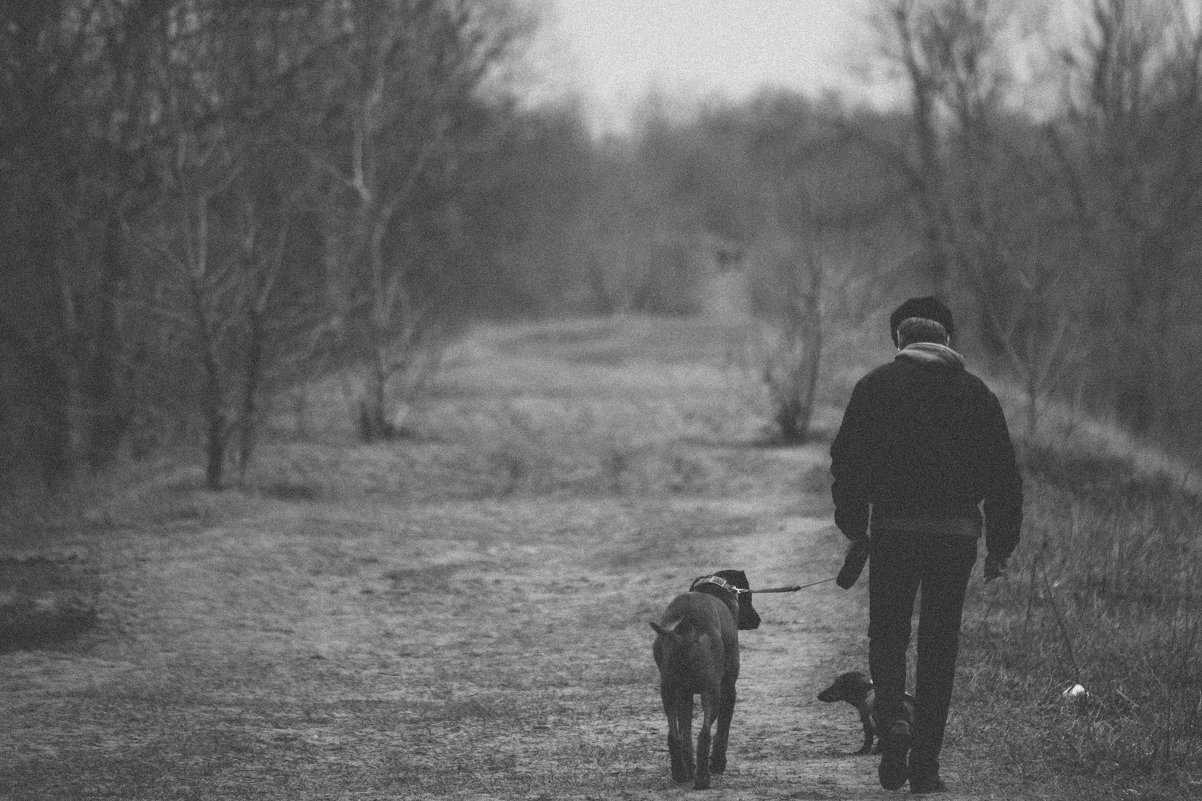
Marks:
<point>1104,593</point>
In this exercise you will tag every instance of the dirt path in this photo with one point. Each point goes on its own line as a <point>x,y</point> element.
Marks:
<point>492,651</point>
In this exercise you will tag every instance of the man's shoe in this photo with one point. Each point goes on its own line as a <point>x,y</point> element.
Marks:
<point>925,785</point>
<point>895,751</point>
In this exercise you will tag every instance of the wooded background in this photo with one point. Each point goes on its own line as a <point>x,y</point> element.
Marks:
<point>204,202</point>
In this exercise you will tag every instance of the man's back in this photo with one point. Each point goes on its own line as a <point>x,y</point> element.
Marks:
<point>925,440</point>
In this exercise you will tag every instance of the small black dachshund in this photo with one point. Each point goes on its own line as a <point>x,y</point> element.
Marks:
<point>856,689</point>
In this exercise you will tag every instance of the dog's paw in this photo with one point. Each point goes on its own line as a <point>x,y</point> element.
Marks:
<point>701,782</point>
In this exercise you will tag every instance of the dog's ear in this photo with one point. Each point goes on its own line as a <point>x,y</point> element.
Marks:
<point>748,618</point>
<point>856,686</point>
<point>736,578</point>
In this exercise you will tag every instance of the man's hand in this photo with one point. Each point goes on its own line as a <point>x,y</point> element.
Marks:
<point>994,568</point>
<point>853,562</point>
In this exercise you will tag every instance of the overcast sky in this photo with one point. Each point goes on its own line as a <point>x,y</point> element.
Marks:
<point>613,51</point>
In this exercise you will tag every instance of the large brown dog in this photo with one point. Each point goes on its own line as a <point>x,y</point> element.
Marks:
<point>697,651</point>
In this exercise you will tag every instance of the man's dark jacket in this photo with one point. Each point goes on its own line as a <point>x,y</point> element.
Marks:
<point>922,444</point>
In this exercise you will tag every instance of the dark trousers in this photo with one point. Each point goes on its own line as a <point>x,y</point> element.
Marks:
<point>901,565</point>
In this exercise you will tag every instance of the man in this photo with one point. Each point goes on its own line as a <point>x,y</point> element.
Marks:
<point>924,455</point>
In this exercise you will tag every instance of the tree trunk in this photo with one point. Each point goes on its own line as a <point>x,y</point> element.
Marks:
<point>248,419</point>
<point>107,421</point>
<point>49,364</point>
<point>215,441</point>
<point>373,412</point>
<point>216,428</point>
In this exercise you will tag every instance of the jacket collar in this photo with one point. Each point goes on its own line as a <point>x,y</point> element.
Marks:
<point>933,354</point>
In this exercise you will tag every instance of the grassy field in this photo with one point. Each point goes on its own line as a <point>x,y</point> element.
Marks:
<point>462,613</point>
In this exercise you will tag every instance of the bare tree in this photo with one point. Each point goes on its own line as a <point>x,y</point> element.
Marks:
<point>42,56</point>
<point>83,102</point>
<point>217,238</point>
<point>400,84</point>
<point>1130,148</point>
<point>790,148</point>
<point>930,41</point>
<point>793,360</point>
<point>155,227</point>
<point>980,182</point>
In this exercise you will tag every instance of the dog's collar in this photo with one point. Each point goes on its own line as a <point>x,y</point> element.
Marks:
<point>719,582</point>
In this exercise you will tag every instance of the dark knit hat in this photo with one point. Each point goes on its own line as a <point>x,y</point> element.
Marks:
<point>928,307</point>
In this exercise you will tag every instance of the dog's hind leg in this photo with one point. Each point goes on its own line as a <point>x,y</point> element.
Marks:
<point>678,741</point>
<point>869,725</point>
<point>684,725</point>
<point>726,711</point>
<point>710,705</point>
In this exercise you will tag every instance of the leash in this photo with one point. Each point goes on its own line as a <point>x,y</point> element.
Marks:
<point>794,587</point>
<point>726,585</point>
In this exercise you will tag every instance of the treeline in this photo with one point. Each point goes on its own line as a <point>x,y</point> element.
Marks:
<point>204,201</point>
<point>201,200</point>
<point>1062,202</point>
<point>1044,174</point>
